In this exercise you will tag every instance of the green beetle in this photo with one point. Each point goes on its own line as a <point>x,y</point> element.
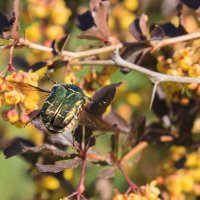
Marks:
<point>60,111</point>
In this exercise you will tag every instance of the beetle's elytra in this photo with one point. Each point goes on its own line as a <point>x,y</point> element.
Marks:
<point>60,111</point>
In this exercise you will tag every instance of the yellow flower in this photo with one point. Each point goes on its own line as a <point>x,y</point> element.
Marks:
<point>24,118</point>
<point>195,173</point>
<point>131,4</point>
<point>30,104</point>
<point>31,78</point>
<point>60,15</point>
<point>53,32</point>
<point>33,32</point>
<point>173,184</point>
<point>134,99</point>
<point>191,160</point>
<point>13,97</point>
<point>41,11</point>
<point>126,20</point>
<point>68,174</point>
<point>50,183</point>
<point>177,152</point>
<point>12,116</point>
<point>187,183</point>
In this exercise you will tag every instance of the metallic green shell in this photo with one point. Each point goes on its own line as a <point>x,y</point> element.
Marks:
<point>60,111</point>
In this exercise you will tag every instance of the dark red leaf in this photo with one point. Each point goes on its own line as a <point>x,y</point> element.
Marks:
<point>102,99</point>
<point>194,4</point>
<point>38,65</point>
<point>97,123</point>
<point>50,64</point>
<point>116,121</point>
<point>19,146</point>
<point>94,23</point>
<point>93,34</point>
<point>135,30</point>
<point>58,167</point>
<point>157,32</point>
<point>14,32</point>
<point>64,139</point>
<point>57,64</point>
<point>6,23</point>
<point>60,45</point>
<point>134,52</point>
<point>85,21</point>
<point>100,16</point>
<point>172,31</point>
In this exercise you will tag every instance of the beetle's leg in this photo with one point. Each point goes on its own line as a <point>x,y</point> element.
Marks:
<point>36,116</point>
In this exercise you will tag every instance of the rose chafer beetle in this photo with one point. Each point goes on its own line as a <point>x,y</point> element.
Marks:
<point>60,111</point>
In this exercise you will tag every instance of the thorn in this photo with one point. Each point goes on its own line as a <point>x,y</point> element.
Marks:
<point>155,85</point>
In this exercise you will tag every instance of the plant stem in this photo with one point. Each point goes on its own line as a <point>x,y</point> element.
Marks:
<point>134,151</point>
<point>155,45</point>
<point>80,188</point>
<point>132,186</point>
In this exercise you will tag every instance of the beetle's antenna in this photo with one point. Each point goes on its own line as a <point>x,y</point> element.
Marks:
<point>49,77</point>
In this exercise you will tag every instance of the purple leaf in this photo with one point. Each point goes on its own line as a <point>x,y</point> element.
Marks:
<point>6,23</point>
<point>194,4</point>
<point>172,31</point>
<point>94,23</point>
<point>59,45</point>
<point>38,65</point>
<point>93,34</point>
<point>48,63</point>
<point>116,121</point>
<point>85,21</point>
<point>157,32</point>
<point>14,32</point>
<point>58,167</point>
<point>139,28</point>
<point>102,99</point>
<point>97,123</point>
<point>20,146</point>
<point>36,121</point>
<point>134,52</point>
<point>100,16</point>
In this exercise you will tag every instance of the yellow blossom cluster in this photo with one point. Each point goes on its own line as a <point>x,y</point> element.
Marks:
<point>184,62</point>
<point>48,17</point>
<point>122,14</point>
<point>17,94</point>
<point>184,181</point>
<point>146,192</point>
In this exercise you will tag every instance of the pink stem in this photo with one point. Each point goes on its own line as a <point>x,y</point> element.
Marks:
<point>132,186</point>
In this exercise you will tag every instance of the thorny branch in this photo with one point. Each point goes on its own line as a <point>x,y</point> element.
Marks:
<point>155,45</point>
<point>154,77</point>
